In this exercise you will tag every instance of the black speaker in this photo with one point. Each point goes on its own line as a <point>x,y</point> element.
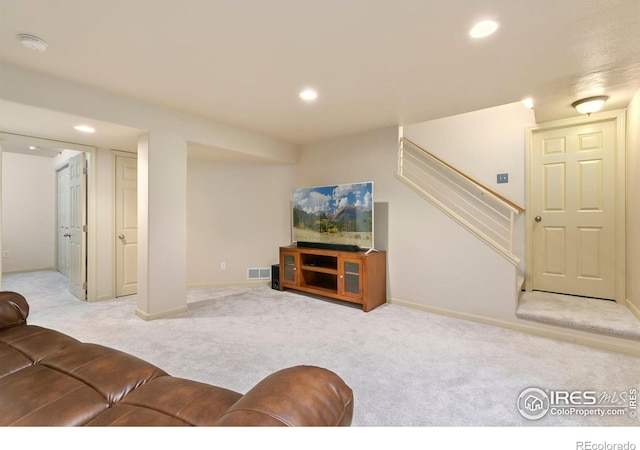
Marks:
<point>275,277</point>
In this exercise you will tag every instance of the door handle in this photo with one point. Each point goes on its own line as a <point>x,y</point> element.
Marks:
<point>121,236</point>
<point>66,235</point>
<point>538,219</point>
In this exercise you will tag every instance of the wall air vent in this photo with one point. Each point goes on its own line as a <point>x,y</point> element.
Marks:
<point>259,273</point>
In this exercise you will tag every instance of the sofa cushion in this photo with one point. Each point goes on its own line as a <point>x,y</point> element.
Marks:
<point>195,403</point>
<point>72,386</point>
<point>170,401</point>
<point>39,395</point>
<point>11,360</point>
<point>110,372</point>
<point>35,342</point>
<point>134,416</point>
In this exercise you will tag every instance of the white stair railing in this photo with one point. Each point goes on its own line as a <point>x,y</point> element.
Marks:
<point>480,210</point>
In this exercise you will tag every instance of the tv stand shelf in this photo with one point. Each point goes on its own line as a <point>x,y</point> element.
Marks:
<point>320,269</point>
<point>357,277</point>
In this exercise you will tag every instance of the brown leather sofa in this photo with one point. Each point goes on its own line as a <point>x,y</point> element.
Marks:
<point>50,379</point>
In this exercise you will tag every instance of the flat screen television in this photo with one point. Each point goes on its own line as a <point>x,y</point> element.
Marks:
<point>337,217</point>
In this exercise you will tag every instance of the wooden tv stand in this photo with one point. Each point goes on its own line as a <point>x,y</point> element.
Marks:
<point>355,277</point>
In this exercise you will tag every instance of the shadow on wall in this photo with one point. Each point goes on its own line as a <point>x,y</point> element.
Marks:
<point>381,232</point>
<point>381,225</point>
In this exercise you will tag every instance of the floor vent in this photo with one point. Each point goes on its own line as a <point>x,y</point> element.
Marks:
<point>259,273</point>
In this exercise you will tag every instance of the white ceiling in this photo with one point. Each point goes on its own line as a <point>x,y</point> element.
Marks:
<point>26,120</point>
<point>375,63</point>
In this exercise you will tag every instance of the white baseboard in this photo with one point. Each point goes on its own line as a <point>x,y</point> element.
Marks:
<point>229,284</point>
<point>633,308</point>
<point>603,343</point>
<point>15,272</point>
<point>171,312</point>
<point>104,297</point>
<point>180,310</point>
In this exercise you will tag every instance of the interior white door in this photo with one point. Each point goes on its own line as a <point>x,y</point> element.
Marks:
<point>77,226</point>
<point>573,210</point>
<point>63,219</point>
<point>126,225</point>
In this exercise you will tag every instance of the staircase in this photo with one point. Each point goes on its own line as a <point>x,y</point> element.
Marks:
<point>490,217</point>
<point>483,212</point>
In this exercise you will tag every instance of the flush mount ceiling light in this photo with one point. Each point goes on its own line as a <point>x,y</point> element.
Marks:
<point>33,42</point>
<point>84,128</point>
<point>308,95</point>
<point>590,105</point>
<point>528,102</point>
<point>483,29</point>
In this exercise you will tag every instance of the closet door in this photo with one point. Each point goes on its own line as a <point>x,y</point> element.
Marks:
<point>78,226</point>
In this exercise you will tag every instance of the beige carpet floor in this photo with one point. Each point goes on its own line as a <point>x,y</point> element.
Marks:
<point>588,314</point>
<point>407,368</point>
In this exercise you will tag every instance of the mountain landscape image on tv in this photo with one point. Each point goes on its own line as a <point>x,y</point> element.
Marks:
<point>337,215</point>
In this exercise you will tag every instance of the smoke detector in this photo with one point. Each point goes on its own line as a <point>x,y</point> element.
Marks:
<point>33,42</point>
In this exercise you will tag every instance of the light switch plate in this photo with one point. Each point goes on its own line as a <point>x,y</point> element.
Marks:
<point>503,178</point>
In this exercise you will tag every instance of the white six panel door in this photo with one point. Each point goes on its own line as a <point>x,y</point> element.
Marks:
<point>63,219</point>
<point>574,210</point>
<point>126,225</point>
<point>78,220</point>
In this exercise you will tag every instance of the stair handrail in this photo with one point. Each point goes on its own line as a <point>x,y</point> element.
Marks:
<point>511,205</point>
<point>511,208</point>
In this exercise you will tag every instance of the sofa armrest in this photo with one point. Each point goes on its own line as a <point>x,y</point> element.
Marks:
<point>296,396</point>
<point>14,309</point>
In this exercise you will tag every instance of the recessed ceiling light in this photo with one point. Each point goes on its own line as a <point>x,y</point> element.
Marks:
<point>528,102</point>
<point>31,147</point>
<point>308,95</point>
<point>85,128</point>
<point>33,42</point>
<point>483,29</point>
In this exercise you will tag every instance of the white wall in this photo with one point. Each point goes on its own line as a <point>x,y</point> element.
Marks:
<point>31,88</point>
<point>38,235</point>
<point>28,212</point>
<point>483,144</point>
<point>633,204</point>
<point>162,224</point>
<point>237,213</point>
<point>165,128</point>
<point>431,260</point>
<point>218,228</point>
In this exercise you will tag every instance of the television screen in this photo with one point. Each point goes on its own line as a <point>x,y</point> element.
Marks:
<point>335,215</point>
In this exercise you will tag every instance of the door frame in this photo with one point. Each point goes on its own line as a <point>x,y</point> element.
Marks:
<point>619,116</point>
<point>92,221</point>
